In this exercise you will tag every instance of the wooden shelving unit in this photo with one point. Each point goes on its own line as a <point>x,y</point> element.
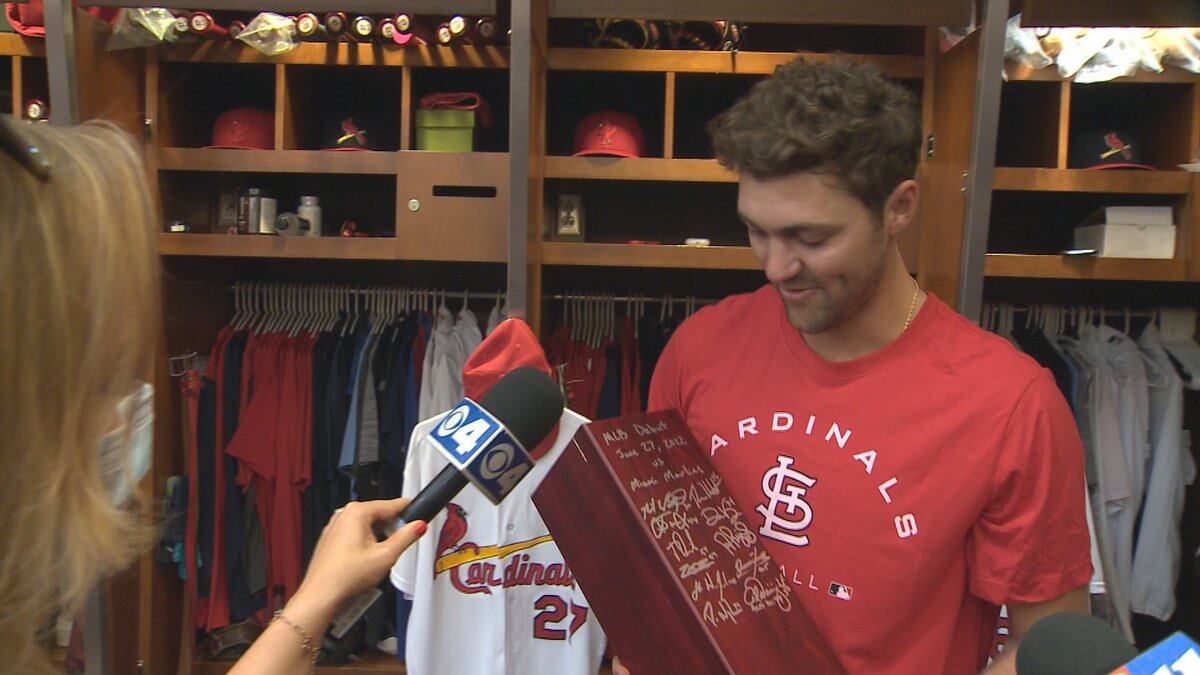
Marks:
<point>649,255</point>
<point>186,86</point>
<point>1083,180</point>
<point>639,168</point>
<point>1082,267</point>
<point>261,246</point>
<point>26,63</point>
<point>341,54</point>
<point>734,63</point>
<point>276,161</point>
<point>12,44</point>
<point>306,161</point>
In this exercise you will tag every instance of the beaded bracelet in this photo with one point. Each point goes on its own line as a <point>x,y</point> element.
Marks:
<point>306,644</point>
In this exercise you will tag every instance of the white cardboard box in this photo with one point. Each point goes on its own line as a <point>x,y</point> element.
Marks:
<point>1115,240</point>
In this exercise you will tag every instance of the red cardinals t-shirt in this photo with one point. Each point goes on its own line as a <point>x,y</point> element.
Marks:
<point>905,494</point>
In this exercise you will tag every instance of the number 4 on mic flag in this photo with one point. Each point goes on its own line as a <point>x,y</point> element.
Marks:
<point>482,449</point>
<point>1177,655</point>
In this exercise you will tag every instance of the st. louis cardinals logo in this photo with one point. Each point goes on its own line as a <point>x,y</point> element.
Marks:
<point>786,512</point>
<point>605,133</point>
<point>470,567</point>
<point>1115,144</point>
<point>350,130</point>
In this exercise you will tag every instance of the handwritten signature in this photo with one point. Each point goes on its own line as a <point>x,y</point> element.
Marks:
<point>691,569</point>
<point>705,490</point>
<point>759,561</point>
<point>671,520</point>
<point>760,596</point>
<point>737,537</point>
<point>723,611</point>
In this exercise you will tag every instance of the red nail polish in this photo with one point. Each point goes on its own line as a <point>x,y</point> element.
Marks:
<point>421,527</point>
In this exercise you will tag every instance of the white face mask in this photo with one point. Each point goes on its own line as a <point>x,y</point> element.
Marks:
<point>123,471</point>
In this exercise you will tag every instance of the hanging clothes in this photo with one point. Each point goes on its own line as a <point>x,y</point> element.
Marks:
<point>289,419</point>
<point>437,391</point>
<point>1127,397</point>
<point>603,363</point>
<point>1158,553</point>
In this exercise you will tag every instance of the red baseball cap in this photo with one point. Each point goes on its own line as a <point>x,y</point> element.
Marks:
<point>510,346</point>
<point>609,133</point>
<point>244,129</point>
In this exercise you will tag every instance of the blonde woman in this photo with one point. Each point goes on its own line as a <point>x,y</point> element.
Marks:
<point>79,311</point>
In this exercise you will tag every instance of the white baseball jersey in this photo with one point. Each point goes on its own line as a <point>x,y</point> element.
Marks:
<point>490,590</point>
<point>438,390</point>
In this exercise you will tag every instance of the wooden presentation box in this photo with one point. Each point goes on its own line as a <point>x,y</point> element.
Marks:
<point>674,573</point>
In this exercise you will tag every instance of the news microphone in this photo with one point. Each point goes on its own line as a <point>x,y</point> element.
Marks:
<point>1068,642</point>
<point>488,442</point>
<point>1177,655</point>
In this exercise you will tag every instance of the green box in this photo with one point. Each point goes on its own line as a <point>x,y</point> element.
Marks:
<point>446,130</point>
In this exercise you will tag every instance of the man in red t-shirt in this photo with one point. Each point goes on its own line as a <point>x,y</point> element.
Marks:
<point>909,471</point>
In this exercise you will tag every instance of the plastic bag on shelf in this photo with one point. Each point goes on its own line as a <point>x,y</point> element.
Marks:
<point>141,27</point>
<point>1022,45</point>
<point>1151,58</point>
<point>1119,55</point>
<point>270,34</point>
<point>1079,45</point>
<point>1178,47</point>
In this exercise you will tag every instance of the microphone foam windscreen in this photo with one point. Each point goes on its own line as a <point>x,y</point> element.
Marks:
<point>1072,643</point>
<point>527,403</point>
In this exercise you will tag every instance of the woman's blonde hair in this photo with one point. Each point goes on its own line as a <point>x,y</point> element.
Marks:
<point>79,290</point>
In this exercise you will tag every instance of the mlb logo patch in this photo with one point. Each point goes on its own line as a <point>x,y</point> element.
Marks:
<point>841,591</point>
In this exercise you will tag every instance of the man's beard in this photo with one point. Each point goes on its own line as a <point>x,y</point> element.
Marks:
<point>825,311</point>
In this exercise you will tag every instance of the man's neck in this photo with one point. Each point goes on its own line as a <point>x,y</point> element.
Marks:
<point>877,322</point>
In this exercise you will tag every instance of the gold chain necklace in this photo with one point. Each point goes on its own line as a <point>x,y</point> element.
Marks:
<point>912,306</point>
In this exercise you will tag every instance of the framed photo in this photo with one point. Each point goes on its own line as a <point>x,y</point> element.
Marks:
<point>225,206</point>
<point>569,222</point>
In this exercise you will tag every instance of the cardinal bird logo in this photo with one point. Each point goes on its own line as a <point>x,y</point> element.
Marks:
<point>351,130</point>
<point>605,134</point>
<point>1116,145</point>
<point>453,530</point>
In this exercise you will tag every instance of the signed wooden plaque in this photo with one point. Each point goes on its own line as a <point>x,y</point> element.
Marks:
<point>675,575</point>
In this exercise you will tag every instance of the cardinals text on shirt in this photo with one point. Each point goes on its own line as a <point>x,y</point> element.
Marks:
<point>786,512</point>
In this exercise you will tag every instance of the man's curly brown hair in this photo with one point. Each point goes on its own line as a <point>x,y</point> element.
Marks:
<point>839,117</point>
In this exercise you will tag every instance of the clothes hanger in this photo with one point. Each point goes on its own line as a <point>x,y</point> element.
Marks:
<point>248,306</point>
<point>612,317</point>
<point>264,298</point>
<point>237,304</point>
<point>589,312</point>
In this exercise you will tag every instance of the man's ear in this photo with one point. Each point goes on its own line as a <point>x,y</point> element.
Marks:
<point>900,210</point>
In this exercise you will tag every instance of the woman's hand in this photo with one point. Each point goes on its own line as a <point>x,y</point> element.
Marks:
<point>348,560</point>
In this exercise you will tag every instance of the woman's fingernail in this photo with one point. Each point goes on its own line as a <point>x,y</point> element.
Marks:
<point>420,527</point>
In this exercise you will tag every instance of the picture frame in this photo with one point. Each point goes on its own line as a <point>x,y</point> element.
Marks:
<point>569,218</point>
